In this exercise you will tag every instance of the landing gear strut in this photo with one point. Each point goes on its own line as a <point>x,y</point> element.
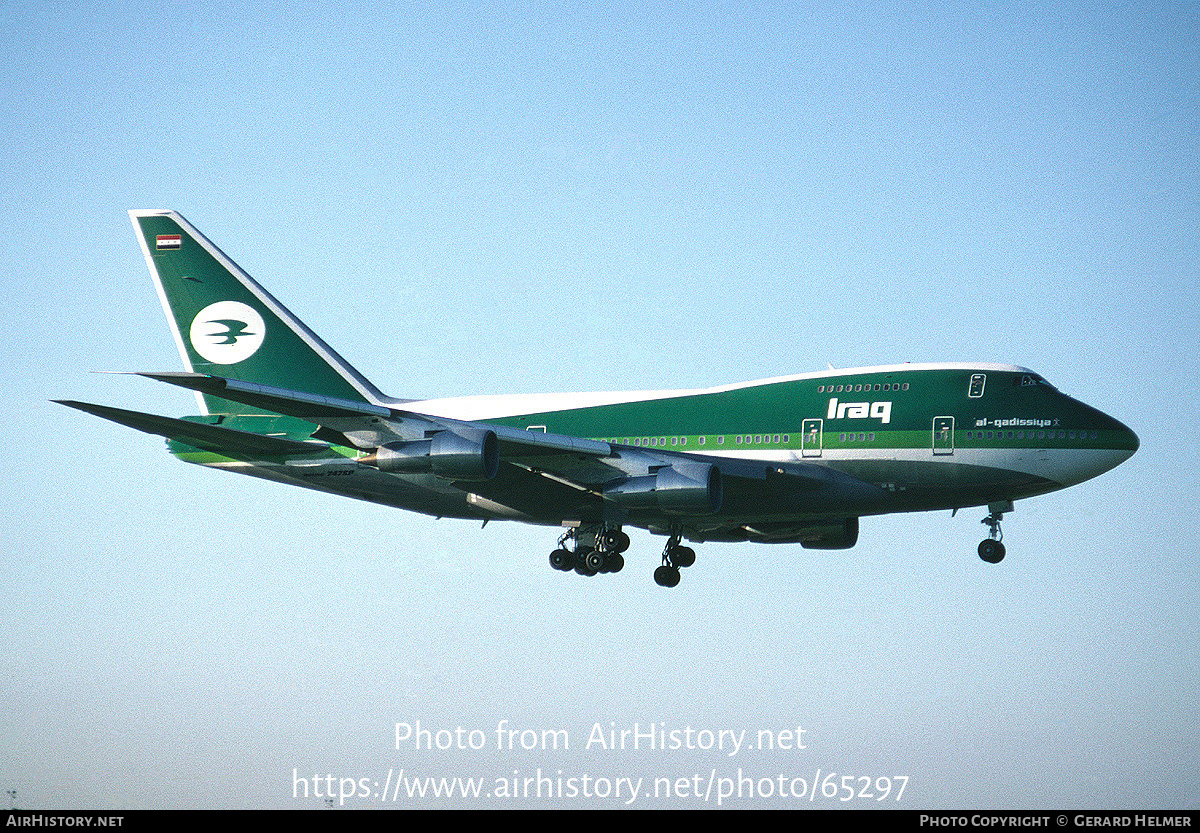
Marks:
<point>674,556</point>
<point>991,549</point>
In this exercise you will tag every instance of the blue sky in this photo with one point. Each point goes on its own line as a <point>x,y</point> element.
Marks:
<point>487,199</point>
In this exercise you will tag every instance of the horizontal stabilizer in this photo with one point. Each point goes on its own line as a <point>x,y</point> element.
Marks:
<point>310,406</point>
<point>198,435</point>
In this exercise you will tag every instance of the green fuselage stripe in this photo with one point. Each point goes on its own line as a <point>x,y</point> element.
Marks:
<point>892,410</point>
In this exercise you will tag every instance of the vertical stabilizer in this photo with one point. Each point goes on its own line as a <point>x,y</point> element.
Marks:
<point>225,324</point>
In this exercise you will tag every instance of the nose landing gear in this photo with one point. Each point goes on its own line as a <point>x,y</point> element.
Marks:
<point>991,549</point>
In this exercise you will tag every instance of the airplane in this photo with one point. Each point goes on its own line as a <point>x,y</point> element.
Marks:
<point>794,459</point>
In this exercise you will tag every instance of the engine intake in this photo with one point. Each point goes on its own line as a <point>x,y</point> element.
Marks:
<point>461,454</point>
<point>681,488</point>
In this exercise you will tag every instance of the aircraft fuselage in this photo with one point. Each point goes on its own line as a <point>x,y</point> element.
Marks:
<point>927,436</point>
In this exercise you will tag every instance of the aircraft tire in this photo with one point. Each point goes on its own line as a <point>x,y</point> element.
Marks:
<point>595,562</point>
<point>683,557</point>
<point>581,562</point>
<point>561,559</point>
<point>991,551</point>
<point>666,576</point>
<point>616,541</point>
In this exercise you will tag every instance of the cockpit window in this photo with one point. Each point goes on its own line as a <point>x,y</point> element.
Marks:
<point>1031,380</point>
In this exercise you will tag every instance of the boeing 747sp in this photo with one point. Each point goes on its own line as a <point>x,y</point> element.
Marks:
<point>796,459</point>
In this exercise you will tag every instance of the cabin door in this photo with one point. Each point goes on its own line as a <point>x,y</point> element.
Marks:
<point>811,439</point>
<point>943,435</point>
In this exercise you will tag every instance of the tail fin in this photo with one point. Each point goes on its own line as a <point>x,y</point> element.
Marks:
<point>226,325</point>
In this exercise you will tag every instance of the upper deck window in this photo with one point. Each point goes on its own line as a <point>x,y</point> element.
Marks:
<point>859,388</point>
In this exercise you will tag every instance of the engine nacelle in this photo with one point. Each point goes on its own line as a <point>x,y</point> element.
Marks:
<point>461,454</point>
<point>838,535</point>
<point>682,488</point>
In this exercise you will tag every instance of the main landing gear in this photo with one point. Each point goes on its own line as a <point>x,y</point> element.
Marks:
<point>592,550</point>
<point>991,549</point>
<point>675,555</point>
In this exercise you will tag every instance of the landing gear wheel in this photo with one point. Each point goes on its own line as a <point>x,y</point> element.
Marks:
<point>991,551</point>
<point>595,561</point>
<point>682,556</point>
<point>674,556</point>
<point>615,541</point>
<point>590,550</point>
<point>562,559</point>
<point>582,566</point>
<point>666,576</point>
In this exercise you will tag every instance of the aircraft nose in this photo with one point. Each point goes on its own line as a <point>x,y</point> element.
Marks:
<point>1122,443</point>
<point>1113,444</point>
<point>1127,441</point>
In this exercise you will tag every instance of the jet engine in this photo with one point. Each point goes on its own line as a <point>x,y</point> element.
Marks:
<point>461,454</point>
<point>682,488</point>
<point>836,535</point>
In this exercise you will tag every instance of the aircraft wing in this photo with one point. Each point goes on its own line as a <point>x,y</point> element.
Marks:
<point>370,426</point>
<point>630,476</point>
